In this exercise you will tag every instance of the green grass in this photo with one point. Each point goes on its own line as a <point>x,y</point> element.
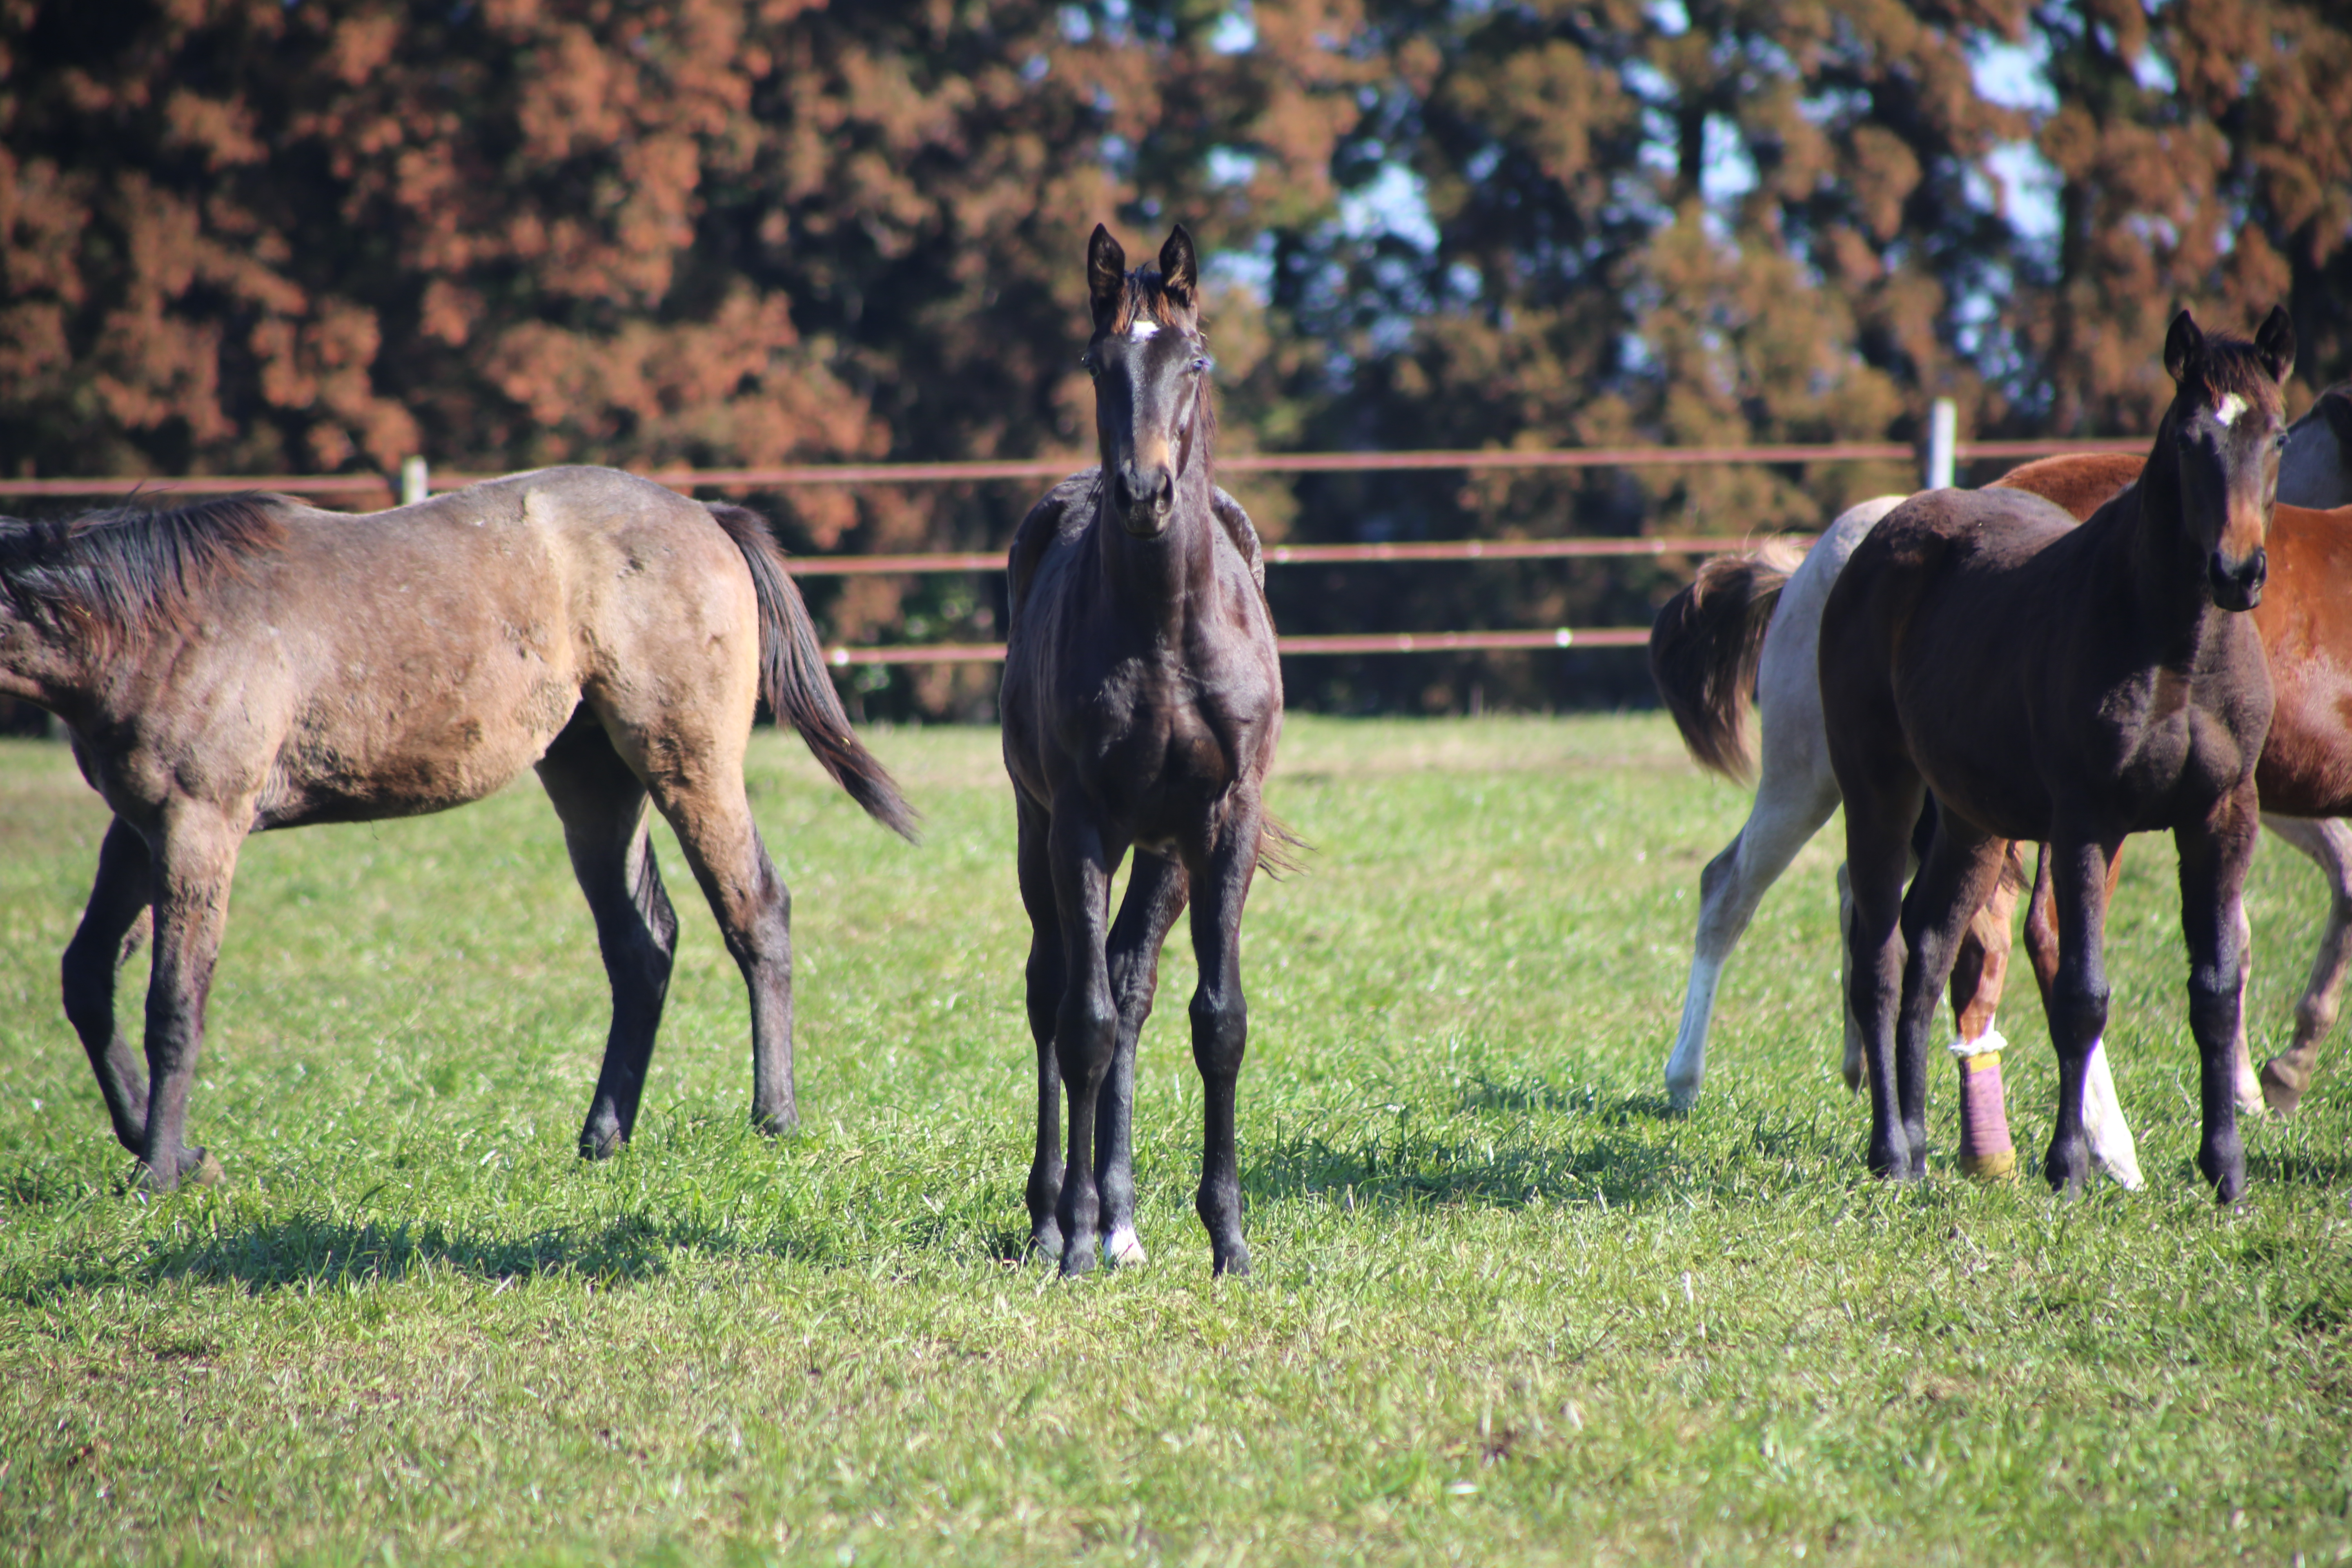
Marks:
<point>1504,1309</point>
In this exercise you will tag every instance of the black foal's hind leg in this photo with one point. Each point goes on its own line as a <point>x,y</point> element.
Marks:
<point>1957,874</point>
<point>602,808</point>
<point>1155,897</point>
<point>2214,862</point>
<point>113,925</point>
<point>1221,1028</point>
<point>1046,967</point>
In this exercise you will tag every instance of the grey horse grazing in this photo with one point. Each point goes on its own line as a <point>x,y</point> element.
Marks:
<point>1142,701</point>
<point>251,663</point>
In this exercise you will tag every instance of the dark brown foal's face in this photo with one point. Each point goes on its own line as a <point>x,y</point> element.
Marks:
<point>1150,368</point>
<point>2230,425</point>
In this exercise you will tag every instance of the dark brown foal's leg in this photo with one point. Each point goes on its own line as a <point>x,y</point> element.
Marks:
<point>1959,873</point>
<point>113,925</point>
<point>1086,1027</point>
<point>1044,981</point>
<point>1155,896</point>
<point>602,806</point>
<point>197,861</point>
<point>1221,1025</point>
<point>2213,861</point>
<point>754,910</point>
<point>2076,998</point>
<point>1878,825</point>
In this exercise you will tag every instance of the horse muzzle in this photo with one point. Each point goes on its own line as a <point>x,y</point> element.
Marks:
<point>2239,585</point>
<point>1145,499</point>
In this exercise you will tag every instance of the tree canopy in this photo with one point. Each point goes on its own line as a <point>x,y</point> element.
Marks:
<point>255,235</point>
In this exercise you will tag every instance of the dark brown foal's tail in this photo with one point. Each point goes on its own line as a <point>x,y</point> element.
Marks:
<point>1706,645</point>
<point>793,675</point>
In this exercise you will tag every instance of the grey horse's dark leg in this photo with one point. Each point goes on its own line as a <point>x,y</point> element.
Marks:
<point>191,884</point>
<point>113,925</point>
<point>1086,1025</point>
<point>1221,1026</point>
<point>1155,897</point>
<point>602,807</point>
<point>2213,861</point>
<point>1044,976</point>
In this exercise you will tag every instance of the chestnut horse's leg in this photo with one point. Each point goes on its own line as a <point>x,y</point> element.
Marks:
<point>194,866</point>
<point>1221,1022</point>
<point>602,806</point>
<point>2328,842</point>
<point>1979,976</point>
<point>113,925</point>
<point>1156,890</point>
<point>2080,871</point>
<point>2213,861</point>
<point>1047,967</point>
<point>1959,873</point>
<point>1086,1027</point>
<point>754,910</point>
<point>2113,1148</point>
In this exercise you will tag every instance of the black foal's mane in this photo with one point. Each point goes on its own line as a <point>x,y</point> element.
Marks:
<point>120,575</point>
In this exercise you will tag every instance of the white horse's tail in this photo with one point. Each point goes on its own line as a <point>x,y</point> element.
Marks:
<point>1705,647</point>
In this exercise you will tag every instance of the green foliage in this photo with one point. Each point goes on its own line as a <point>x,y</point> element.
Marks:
<point>1504,1310</point>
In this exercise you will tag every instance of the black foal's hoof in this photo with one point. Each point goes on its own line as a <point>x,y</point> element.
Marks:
<point>601,1142</point>
<point>1078,1257</point>
<point>1046,1244</point>
<point>776,1124</point>
<point>196,1168</point>
<point>1231,1265</point>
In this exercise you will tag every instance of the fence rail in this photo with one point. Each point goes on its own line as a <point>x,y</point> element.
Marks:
<point>416,481</point>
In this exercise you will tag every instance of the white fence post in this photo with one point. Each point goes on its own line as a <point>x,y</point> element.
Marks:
<point>416,481</point>
<point>1943,442</point>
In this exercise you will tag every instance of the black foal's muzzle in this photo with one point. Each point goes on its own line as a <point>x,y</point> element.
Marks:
<point>2238,586</point>
<point>1144,498</point>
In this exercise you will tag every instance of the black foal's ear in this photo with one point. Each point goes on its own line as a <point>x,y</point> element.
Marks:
<point>1106,275</point>
<point>2182,345</point>
<point>1180,269</point>
<point>2276,343</point>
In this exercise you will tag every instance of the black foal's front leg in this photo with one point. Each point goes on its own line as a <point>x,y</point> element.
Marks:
<point>1155,896</point>
<point>1221,1028</point>
<point>2213,861</point>
<point>1044,983</point>
<point>2078,996</point>
<point>113,925</point>
<point>1085,1025</point>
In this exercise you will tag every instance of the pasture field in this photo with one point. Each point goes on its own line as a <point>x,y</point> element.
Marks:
<point>1504,1310</point>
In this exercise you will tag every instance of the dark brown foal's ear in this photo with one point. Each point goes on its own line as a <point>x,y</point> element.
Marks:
<point>2276,343</point>
<point>1106,275</point>
<point>1180,267</point>
<point>2183,345</point>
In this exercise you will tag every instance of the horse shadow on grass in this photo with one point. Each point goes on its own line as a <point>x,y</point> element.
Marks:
<point>1516,1144</point>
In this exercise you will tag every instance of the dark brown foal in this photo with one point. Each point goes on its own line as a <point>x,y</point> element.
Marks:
<point>2073,686</point>
<point>1142,699</point>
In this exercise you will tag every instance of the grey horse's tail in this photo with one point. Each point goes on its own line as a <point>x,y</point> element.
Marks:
<point>793,676</point>
<point>1706,645</point>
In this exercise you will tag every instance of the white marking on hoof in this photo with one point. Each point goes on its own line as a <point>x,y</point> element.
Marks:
<point>1124,1248</point>
<point>2110,1136</point>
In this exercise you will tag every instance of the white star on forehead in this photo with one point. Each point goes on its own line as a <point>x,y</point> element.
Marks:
<point>1143,329</point>
<point>2230,407</point>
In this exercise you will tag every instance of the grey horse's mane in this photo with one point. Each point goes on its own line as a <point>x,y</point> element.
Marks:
<point>121,575</point>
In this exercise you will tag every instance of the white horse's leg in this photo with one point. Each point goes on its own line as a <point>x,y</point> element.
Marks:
<point>1784,819</point>
<point>2328,842</point>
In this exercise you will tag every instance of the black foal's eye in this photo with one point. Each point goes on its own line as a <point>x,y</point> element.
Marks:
<point>1203,365</point>
<point>1087,363</point>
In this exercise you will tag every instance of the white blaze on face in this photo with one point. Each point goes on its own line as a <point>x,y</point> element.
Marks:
<point>1144,329</point>
<point>2230,407</point>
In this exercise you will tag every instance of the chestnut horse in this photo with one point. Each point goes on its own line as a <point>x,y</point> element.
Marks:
<point>1142,699</point>
<point>2071,686</point>
<point>1751,620</point>
<point>251,663</point>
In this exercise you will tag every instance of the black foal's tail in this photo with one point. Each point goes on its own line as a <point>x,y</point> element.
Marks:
<point>1706,645</point>
<point>793,675</point>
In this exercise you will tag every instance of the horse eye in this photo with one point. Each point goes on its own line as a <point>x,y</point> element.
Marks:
<point>1087,363</point>
<point>1203,365</point>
